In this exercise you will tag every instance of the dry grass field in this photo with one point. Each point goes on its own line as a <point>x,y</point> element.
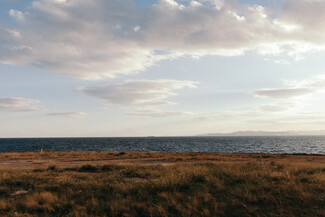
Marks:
<point>161,184</point>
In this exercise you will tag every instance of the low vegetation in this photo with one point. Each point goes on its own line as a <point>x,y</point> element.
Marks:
<point>259,187</point>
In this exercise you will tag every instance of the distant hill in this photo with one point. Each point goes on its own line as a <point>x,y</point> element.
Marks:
<point>267,133</point>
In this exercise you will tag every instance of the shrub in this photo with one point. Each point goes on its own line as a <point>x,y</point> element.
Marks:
<point>52,168</point>
<point>88,168</point>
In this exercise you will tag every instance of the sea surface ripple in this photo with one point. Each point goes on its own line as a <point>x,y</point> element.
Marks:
<point>246,144</point>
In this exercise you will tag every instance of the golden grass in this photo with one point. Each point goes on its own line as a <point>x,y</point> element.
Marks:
<point>208,185</point>
<point>32,160</point>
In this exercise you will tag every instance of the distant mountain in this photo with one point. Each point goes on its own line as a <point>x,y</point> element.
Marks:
<point>267,133</point>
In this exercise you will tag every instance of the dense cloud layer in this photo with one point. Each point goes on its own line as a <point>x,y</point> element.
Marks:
<point>95,39</point>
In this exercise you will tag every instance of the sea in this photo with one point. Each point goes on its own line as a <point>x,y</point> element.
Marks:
<point>238,144</point>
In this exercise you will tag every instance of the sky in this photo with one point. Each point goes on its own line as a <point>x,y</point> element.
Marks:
<point>106,68</point>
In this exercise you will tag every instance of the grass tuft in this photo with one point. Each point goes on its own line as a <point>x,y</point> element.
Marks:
<point>88,168</point>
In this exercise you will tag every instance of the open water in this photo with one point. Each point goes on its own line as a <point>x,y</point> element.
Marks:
<point>247,144</point>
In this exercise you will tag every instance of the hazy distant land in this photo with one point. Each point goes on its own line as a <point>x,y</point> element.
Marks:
<point>268,133</point>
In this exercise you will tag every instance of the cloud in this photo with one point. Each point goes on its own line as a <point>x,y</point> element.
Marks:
<point>294,88</point>
<point>97,39</point>
<point>83,39</point>
<point>141,98</point>
<point>283,93</point>
<point>264,111</point>
<point>312,21</point>
<point>228,115</point>
<point>316,82</point>
<point>137,92</point>
<point>157,113</point>
<point>17,104</point>
<point>275,107</point>
<point>67,114</point>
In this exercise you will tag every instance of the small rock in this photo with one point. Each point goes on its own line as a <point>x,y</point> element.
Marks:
<point>19,192</point>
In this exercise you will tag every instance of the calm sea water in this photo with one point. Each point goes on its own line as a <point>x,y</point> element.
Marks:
<point>274,144</point>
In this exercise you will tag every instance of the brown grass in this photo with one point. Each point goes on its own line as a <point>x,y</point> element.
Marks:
<point>34,160</point>
<point>198,185</point>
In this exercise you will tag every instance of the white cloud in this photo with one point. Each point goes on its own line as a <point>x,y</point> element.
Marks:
<point>315,82</point>
<point>137,92</point>
<point>95,39</point>
<point>17,14</point>
<point>283,93</point>
<point>310,19</point>
<point>275,107</point>
<point>141,97</point>
<point>294,88</point>
<point>157,113</point>
<point>229,115</point>
<point>67,114</point>
<point>84,39</point>
<point>269,115</point>
<point>17,104</point>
